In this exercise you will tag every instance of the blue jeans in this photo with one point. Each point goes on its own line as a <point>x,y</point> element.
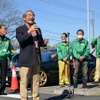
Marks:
<point>84,67</point>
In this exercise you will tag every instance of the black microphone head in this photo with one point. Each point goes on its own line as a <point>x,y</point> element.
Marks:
<point>68,33</point>
<point>34,22</point>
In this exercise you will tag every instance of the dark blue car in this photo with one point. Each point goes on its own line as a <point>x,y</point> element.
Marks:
<point>49,67</point>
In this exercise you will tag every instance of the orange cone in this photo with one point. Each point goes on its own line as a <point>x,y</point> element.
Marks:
<point>14,81</point>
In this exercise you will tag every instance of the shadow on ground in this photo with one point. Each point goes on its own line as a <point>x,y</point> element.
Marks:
<point>65,94</point>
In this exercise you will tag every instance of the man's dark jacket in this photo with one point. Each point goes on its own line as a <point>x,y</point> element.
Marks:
<point>27,56</point>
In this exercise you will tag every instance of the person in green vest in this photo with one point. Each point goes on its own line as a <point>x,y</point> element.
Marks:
<point>64,51</point>
<point>96,42</point>
<point>5,53</point>
<point>81,50</point>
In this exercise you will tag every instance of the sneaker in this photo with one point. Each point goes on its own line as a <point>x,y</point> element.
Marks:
<point>2,93</point>
<point>62,85</point>
<point>99,86</point>
<point>84,86</point>
<point>95,82</point>
<point>67,84</point>
<point>75,85</point>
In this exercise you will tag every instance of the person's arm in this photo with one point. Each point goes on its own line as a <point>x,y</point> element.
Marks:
<point>40,39</point>
<point>60,57</point>
<point>10,55</point>
<point>94,42</point>
<point>22,37</point>
<point>74,51</point>
<point>87,50</point>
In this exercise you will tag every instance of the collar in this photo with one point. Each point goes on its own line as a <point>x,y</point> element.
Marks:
<point>82,40</point>
<point>2,38</point>
<point>64,43</point>
<point>27,25</point>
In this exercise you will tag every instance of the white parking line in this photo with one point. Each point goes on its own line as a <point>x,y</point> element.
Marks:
<point>13,96</point>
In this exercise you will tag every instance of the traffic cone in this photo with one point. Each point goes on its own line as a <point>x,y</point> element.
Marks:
<point>14,81</point>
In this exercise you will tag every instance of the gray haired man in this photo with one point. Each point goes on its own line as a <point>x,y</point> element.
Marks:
<point>29,58</point>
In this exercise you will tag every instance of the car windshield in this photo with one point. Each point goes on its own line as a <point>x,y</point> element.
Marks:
<point>47,55</point>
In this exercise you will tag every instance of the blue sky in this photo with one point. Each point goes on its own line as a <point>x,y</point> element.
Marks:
<point>57,16</point>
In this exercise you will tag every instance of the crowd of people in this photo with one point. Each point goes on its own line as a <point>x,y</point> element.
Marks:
<point>30,40</point>
<point>79,50</point>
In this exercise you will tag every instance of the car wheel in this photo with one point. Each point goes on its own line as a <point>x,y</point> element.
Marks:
<point>43,78</point>
<point>91,75</point>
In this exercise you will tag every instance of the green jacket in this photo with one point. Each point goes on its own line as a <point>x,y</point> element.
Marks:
<point>62,50</point>
<point>97,43</point>
<point>5,48</point>
<point>81,48</point>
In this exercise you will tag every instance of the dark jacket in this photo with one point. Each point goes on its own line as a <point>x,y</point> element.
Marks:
<point>27,54</point>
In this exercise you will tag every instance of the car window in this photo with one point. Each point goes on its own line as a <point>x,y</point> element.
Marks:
<point>16,58</point>
<point>46,55</point>
<point>89,57</point>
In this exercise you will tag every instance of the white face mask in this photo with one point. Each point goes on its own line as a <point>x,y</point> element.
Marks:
<point>80,36</point>
<point>63,40</point>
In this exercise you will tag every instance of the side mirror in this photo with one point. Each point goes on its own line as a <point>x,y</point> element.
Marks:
<point>54,56</point>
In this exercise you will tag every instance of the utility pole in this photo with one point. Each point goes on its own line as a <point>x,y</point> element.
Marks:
<point>88,20</point>
<point>93,24</point>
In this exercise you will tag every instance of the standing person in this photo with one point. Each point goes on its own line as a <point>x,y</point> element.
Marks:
<point>81,50</point>
<point>96,42</point>
<point>64,52</point>
<point>5,52</point>
<point>29,58</point>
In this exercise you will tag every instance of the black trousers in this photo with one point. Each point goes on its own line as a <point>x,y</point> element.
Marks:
<point>3,74</point>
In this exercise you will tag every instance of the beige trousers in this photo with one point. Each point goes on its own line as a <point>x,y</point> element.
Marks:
<point>31,73</point>
<point>97,70</point>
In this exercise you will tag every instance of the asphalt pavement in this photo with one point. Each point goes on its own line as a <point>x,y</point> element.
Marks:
<point>91,90</point>
<point>50,97</point>
<point>60,93</point>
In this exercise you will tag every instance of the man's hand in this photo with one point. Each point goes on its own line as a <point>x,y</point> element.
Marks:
<point>46,41</point>
<point>32,28</point>
<point>11,64</point>
<point>65,59</point>
<point>81,58</point>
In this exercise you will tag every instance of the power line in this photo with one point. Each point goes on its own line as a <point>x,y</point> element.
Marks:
<point>64,5</point>
<point>44,12</point>
<point>52,17</point>
<point>56,33</point>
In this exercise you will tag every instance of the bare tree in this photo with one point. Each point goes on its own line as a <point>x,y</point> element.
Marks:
<point>10,17</point>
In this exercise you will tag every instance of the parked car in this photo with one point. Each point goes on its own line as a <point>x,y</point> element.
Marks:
<point>49,71</point>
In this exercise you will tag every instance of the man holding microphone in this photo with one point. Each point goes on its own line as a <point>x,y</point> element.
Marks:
<point>30,39</point>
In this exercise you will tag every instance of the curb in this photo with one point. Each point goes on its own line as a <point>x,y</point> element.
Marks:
<point>84,92</point>
<point>64,91</point>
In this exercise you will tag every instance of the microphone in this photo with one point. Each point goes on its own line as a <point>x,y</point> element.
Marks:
<point>68,34</point>
<point>37,29</point>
